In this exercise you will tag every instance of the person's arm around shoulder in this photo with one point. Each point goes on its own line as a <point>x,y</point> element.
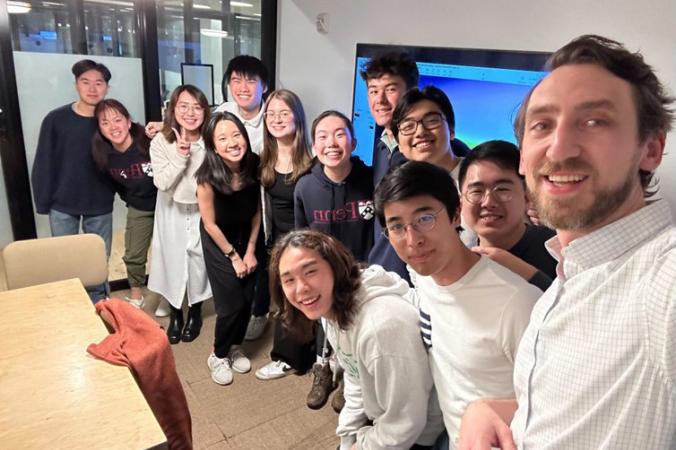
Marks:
<point>485,424</point>
<point>517,265</point>
<point>205,202</point>
<point>168,162</point>
<point>43,173</point>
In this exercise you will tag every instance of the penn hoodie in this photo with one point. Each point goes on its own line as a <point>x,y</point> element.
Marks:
<point>388,382</point>
<point>344,210</point>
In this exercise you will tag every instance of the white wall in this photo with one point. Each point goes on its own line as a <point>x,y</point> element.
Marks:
<point>319,67</point>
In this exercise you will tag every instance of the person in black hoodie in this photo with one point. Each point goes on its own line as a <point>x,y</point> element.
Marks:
<point>336,197</point>
<point>120,149</point>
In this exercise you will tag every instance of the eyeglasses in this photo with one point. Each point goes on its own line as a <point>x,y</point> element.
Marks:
<point>284,114</point>
<point>501,192</point>
<point>430,121</point>
<point>422,224</point>
<point>185,107</point>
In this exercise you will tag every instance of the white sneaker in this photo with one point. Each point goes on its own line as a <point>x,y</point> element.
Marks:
<point>240,363</point>
<point>163,309</point>
<point>136,302</point>
<point>220,369</point>
<point>273,370</point>
<point>255,328</point>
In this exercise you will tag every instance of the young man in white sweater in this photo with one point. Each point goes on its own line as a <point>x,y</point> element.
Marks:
<point>473,311</point>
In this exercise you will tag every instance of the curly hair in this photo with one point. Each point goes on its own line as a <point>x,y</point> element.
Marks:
<point>346,273</point>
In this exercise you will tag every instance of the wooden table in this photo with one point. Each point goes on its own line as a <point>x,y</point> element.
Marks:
<point>53,394</point>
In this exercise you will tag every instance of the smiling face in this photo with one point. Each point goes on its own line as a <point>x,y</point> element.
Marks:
<point>493,220</point>
<point>188,112</point>
<point>333,143</point>
<point>581,153</point>
<point>383,95</point>
<point>307,281</point>
<point>91,87</point>
<point>229,143</point>
<point>246,91</point>
<point>279,119</point>
<point>431,252</point>
<point>115,127</point>
<point>431,146</point>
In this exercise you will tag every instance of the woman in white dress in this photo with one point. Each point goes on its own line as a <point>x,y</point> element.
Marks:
<point>177,268</point>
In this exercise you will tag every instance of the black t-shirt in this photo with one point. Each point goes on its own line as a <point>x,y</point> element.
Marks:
<point>133,176</point>
<point>281,205</point>
<point>531,248</point>
<point>234,213</point>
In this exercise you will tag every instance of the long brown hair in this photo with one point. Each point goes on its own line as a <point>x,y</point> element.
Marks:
<point>101,147</point>
<point>346,273</point>
<point>170,116</point>
<point>301,157</point>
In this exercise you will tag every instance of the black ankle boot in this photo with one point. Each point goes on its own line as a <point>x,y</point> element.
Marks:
<point>175,325</point>
<point>194,323</point>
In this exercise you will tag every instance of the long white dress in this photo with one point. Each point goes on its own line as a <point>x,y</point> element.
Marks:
<point>177,263</point>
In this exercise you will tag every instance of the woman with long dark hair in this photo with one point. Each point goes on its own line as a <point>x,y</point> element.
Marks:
<point>228,194</point>
<point>120,149</point>
<point>177,263</point>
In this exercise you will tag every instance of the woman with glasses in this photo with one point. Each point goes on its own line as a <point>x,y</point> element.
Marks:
<point>373,330</point>
<point>120,149</point>
<point>285,158</point>
<point>177,269</point>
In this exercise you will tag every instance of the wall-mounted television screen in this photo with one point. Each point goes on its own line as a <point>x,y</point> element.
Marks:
<point>485,87</point>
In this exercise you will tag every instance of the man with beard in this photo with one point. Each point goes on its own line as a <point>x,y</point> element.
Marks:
<point>597,365</point>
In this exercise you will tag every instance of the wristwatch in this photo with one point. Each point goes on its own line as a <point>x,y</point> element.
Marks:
<point>231,253</point>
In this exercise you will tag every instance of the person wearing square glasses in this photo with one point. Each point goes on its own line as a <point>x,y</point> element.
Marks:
<point>472,310</point>
<point>494,203</point>
<point>424,125</point>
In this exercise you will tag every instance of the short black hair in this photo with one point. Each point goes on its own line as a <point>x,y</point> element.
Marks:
<point>398,63</point>
<point>246,65</point>
<point>334,113</point>
<point>416,178</point>
<point>415,95</point>
<point>503,154</point>
<point>85,65</point>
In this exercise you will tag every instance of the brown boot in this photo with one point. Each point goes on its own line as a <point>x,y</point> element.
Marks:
<point>322,385</point>
<point>338,400</point>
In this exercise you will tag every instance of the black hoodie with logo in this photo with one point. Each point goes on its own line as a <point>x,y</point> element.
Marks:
<point>344,210</point>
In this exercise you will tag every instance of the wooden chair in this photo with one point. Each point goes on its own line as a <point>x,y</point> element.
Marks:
<point>44,260</point>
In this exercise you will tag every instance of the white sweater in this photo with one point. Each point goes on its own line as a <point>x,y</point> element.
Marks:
<point>387,376</point>
<point>173,172</point>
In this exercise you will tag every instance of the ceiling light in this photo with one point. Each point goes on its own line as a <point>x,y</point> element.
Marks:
<point>211,32</point>
<point>18,7</point>
<point>254,19</point>
<point>241,4</point>
<point>198,6</point>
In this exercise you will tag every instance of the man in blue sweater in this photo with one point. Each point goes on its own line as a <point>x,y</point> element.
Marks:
<point>66,184</point>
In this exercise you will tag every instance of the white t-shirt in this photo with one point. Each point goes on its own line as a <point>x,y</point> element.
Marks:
<point>472,330</point>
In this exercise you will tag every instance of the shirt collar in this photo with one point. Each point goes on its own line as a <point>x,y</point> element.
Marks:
<point>611,241</point>
<point>390,142</point>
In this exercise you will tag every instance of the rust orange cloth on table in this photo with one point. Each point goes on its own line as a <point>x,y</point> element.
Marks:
<point>139,343</point>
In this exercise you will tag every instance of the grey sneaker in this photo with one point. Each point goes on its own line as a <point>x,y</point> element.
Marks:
<point>240,363</point>
<point>135,302</point>
<point>256,327</point>
<point>273,370</point>
<point>322,385</point>
<point>220,368</point>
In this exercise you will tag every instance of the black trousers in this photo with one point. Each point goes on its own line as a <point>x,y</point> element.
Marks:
<point>232,296</point>
<point>293,351</point>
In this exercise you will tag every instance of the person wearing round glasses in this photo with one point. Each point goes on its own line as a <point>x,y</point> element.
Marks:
<point>472,310</point>
<point>494,204</point>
